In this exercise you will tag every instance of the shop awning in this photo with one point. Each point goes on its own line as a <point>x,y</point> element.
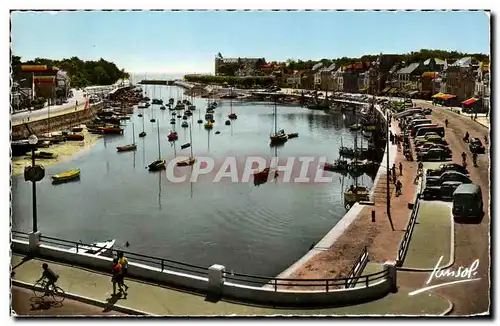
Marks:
<point>393,90</point>
<point>447,96</point>
<point>364,89</point>
<point>470,101</point>
<point>411,93</point>
<point>438,95</point>
<point>385,90</point>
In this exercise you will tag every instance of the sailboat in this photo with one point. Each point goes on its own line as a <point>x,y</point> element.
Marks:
<point>152,118</point>
<point>143,133</point>
<point>339,165</point>
<point>278,137</point>
<point>262,177</point>
<point>162,107</point>
<point>191,159</point>
<point>232,115</point>
<point>160,163</point>
<point>355,193</point>
<point>129,147</point>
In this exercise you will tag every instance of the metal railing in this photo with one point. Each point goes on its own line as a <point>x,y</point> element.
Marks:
<point>356,269</point>
<point>403,247</point>
<point>327,284</point>
<point>237,278</point>
<point>157,262</point>
<point>20,235</point>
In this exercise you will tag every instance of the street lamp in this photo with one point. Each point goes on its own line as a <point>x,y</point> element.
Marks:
<point>34,173</point>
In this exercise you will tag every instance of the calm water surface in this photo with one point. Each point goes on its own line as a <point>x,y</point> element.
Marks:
<point>257,230</point>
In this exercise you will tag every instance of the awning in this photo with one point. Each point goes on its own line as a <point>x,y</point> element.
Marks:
<point>411,93</point>
<point>470,101</point>
<point>430,74</point>
<point>447,96</point>
<point>438,95</point>
<point>363,89</point>
<point>385,90</point>
<point>393,90</point>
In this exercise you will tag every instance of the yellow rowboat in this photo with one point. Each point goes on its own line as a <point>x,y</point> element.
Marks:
<point>188,162</point>
<point>209,125</point>
<point>66,176</point>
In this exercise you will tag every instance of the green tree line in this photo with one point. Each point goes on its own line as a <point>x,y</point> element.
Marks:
<point>81,73</point>
<point>244,82</point>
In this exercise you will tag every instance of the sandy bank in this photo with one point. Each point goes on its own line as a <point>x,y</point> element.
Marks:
<point>64,150</point>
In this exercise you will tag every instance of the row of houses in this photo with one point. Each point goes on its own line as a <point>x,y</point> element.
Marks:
<point>465,78</point>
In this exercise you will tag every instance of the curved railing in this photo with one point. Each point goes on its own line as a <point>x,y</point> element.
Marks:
<point>236,278</point>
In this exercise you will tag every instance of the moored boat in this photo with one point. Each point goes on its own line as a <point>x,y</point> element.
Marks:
<point>75,137</point>
<point>66,176</point>
<point>293,135</point>
<point>42,154</point>
<point>111,130</point>
<point>157,165</point>
<point>97,248</point>
<point>187,162</point>
<point>172,136</point>
<point>208,125</point>
<point>125,148</point>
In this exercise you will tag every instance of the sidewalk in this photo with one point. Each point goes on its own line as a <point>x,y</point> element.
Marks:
<point>159,300</point>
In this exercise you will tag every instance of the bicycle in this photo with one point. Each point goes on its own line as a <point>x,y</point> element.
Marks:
<point>58,294</point>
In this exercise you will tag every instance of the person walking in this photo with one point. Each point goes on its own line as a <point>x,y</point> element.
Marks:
<point>393,170</point>
<point>400,168</point>
<point>446,123</point>
<point>116,272</point>
<point>399,185</point>
<point>122,260</point>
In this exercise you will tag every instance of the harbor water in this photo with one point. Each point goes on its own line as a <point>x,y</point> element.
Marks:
<point>249,229</point>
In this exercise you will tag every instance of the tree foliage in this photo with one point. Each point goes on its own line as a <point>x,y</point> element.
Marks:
<point>244,82</point>
<point>81,73</point>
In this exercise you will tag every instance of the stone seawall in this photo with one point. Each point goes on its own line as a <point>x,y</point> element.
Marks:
<point>56,123</point>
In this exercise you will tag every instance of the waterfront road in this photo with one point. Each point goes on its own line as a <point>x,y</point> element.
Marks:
<point>164,301</point>
<point>52,110</point>
<point>23,304</point>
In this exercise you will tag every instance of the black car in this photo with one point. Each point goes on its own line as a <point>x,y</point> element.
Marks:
<point>434,181</point>
<point>476,146</point>
<point>447,167</point>
<point>433,154</point>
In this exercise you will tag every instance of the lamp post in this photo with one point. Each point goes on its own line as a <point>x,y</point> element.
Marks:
<point>33,140</point>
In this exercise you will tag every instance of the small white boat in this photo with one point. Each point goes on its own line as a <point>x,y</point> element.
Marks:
<point>96,248</point>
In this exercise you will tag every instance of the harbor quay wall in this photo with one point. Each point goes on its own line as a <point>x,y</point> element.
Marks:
<point>57,122</point>
<point>351,215</point>
<point>213,280</point>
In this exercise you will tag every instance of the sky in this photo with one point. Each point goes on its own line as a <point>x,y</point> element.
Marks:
<point>187,42</point>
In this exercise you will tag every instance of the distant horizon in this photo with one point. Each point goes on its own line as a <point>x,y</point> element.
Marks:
<point>187,42</point>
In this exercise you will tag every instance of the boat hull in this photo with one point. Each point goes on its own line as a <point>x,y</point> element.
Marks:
<point>66,176</point>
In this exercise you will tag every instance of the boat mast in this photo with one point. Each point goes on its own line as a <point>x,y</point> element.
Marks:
<point>191,141</point>
<point>133,133</point>
<point>158,128</point>
<point>231,99</point>
<point>275,117</point>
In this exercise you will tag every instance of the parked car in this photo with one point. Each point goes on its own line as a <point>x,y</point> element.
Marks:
<point>467,202</point>
<point>476,146</point>
<point>428,134</point>
<point>447,167</point>
<point>427,148</point>
<point>431,139</point>
<point>448,188</point>
<point>433,181</point>
<point>433,154</point>
<point>427,111</point>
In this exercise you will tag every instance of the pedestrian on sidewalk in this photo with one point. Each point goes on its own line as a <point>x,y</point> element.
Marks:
<point>122,260</point>
<point>393,170</point>
<point>400,168</point>
<point>116,272</point>
<point>399,185</point>
<point>446,123</point>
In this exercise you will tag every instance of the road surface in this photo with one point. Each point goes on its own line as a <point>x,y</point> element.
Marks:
<point>53,109</point>
<point>24,305</point>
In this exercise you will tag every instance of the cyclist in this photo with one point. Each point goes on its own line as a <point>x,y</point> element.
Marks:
<point>51,277</point>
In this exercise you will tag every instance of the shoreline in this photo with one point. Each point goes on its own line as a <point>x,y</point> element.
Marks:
<point>350,217</point>
<point>65,151</point>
